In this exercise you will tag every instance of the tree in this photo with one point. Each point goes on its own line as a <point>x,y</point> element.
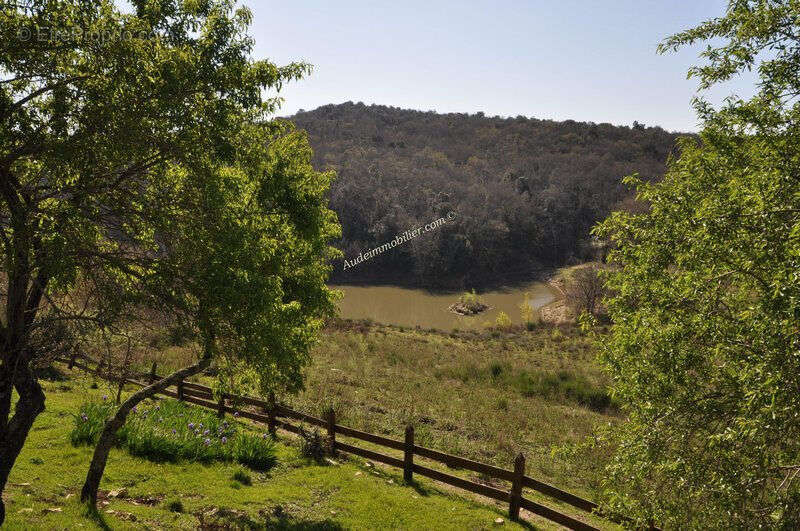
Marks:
<point>584,289</point>
<point>125,140</point>
<point>246,249</point>
<point>704,347</point>
<point>526,192</point>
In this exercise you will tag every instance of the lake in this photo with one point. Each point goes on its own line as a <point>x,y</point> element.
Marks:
<point>416,307</point>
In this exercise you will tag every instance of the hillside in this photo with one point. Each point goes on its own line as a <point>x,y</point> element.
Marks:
<point>137,493</point>
<point>523,192</point>
<point>506,405</point>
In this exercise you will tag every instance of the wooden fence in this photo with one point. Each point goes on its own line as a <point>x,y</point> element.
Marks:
<point>275,416</point>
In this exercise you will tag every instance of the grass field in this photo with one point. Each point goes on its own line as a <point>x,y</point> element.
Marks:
<point>295,494</point>
<point>484,395</point>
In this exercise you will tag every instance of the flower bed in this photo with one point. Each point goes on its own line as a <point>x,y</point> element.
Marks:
<point>172,431</point>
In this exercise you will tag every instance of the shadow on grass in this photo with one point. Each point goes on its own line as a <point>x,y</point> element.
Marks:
<point>304,525</point>
<point>526,525</point>
<point>277,518</point>
<point>420,489</point>
<point>91,512</point>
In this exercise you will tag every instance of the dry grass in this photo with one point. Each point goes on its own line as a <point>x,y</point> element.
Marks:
<point>485,395</point>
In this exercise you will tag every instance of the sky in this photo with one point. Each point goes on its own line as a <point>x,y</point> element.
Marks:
<point>560,59</point>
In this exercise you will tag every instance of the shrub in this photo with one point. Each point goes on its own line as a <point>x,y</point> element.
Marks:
<point>526,310</point>
<point>502,320</point>
<point>89,422</point>
<point>171,431</point>
<point>242,477</point>
<point>313,445</point>
<point>469,304</point>
<point>175,506</point>
<point>256,452</point>
<point>564,384</point>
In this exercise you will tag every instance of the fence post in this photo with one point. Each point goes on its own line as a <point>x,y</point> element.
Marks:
<point>330,416</point>
<point>221,406</point>
<point>153,375</point>
<point>516,487</point>
<point>180,389</point>
<point>271,413</point>
<point>408,456</point>
<point>72,360</point>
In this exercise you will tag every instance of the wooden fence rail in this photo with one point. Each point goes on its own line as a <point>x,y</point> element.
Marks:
<point>203,396</point>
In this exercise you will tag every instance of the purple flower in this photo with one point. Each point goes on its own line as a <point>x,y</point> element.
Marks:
<point>191,425</point>
<point>207,442</point>
<point>264,436</point>
<point>206,432</point>
<point>236,414</point>
<point>134,410</point>
<point>84,417</point>
<point>224,440</point>
<point>173,431</point>
<point>105,397</point>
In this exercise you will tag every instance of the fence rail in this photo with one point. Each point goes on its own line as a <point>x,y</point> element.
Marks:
<point>274,414</point>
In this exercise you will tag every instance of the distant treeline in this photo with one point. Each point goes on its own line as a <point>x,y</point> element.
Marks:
<point>525,192</point>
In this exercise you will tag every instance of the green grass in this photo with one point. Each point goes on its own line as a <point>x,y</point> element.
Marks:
<point>295,494</point>
<point>482,395</point>
<point>168,430</point>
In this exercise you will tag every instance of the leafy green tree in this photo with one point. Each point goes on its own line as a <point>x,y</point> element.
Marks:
<point>246,255</point>
<point>705,346</point>
<point>139,172</point>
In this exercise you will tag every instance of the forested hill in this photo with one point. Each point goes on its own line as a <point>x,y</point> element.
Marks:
<point>525,192</point>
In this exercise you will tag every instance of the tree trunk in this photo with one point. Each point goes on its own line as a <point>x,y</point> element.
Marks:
<point>109,435</point>
<point>14,432</point>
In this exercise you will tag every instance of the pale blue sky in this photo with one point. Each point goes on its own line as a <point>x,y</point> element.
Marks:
<point>560,59</point>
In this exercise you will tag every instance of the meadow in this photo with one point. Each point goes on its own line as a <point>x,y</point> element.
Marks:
<point>144,492</point>
<point>486,395</point>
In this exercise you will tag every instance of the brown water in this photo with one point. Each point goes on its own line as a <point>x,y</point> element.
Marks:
<point>414,307</point>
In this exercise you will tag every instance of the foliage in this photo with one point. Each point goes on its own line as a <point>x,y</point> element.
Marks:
<point>584,289</point>
<point>470,299</point>
<point>502,320</point>
<point>255,452</point>
<point>89,423</point>
<point>170,431</point>
<point>242,477</point>
<point>526,311</point>
<point>525,191</point>
<point>450,386</point>
<point>175,506</point>
<point>313,444</point>
<point>706,300</point>
<point>468,304</point>
<point>311,496</point>
<point>141,176</point>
